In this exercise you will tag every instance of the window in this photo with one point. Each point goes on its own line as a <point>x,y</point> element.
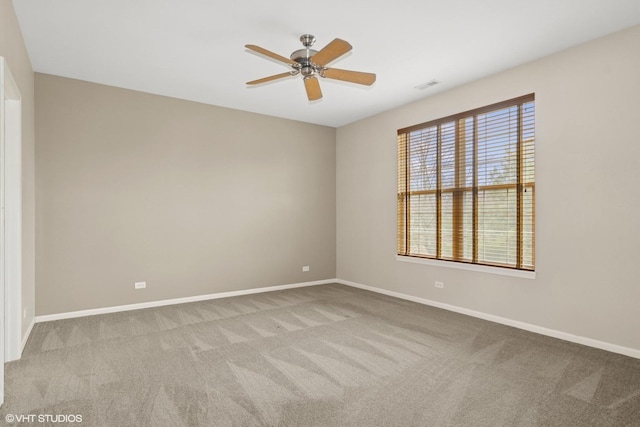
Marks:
<point>466,187</point>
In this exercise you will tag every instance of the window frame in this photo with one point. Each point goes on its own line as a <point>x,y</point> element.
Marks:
<point>458,191</point>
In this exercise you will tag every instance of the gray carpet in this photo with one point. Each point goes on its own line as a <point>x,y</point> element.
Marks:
<point>326,355</point>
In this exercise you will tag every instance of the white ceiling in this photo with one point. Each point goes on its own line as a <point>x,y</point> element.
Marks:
<point>194,49</point>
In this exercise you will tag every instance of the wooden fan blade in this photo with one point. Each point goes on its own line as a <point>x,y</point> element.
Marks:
<point>350,76</point>
<point>270,54</point>
<point>313,88</point>
<point>270,78</point>
<point>333,50</point>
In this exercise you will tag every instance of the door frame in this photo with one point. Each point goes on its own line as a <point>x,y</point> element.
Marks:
<point>11,224</point>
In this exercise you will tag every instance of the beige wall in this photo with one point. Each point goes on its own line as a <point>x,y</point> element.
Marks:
<point>191,198</point>
<point>587,198</point>
<point>13,49</point>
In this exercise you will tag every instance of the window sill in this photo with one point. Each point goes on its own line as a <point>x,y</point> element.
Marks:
<point>470,267</point>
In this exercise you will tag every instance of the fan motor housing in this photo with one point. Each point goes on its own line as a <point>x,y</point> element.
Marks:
<point>303,56</point>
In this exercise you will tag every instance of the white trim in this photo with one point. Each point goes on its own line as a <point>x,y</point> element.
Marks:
<point>11,235</point>
<point>150,304</point>
<point>13,228</point>
<point>26,336</point>
<point>614,348</point>
<point>471,267</point>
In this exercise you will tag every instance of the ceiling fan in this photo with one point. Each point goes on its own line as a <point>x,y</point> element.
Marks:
<point>311,64</point>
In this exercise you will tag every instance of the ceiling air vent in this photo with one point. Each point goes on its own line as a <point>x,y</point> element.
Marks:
<point>427,84</point>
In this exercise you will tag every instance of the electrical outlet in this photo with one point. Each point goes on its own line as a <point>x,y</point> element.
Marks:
<point>439,285</point>
<point>140,285</point>
<point>305,268</point>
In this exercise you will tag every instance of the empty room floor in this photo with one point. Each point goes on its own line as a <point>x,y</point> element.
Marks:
<point>326,355</point>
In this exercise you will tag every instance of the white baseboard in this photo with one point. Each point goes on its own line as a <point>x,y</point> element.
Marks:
<point>128,307</point>
<point>26,336</point>
<point>614,348</point>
